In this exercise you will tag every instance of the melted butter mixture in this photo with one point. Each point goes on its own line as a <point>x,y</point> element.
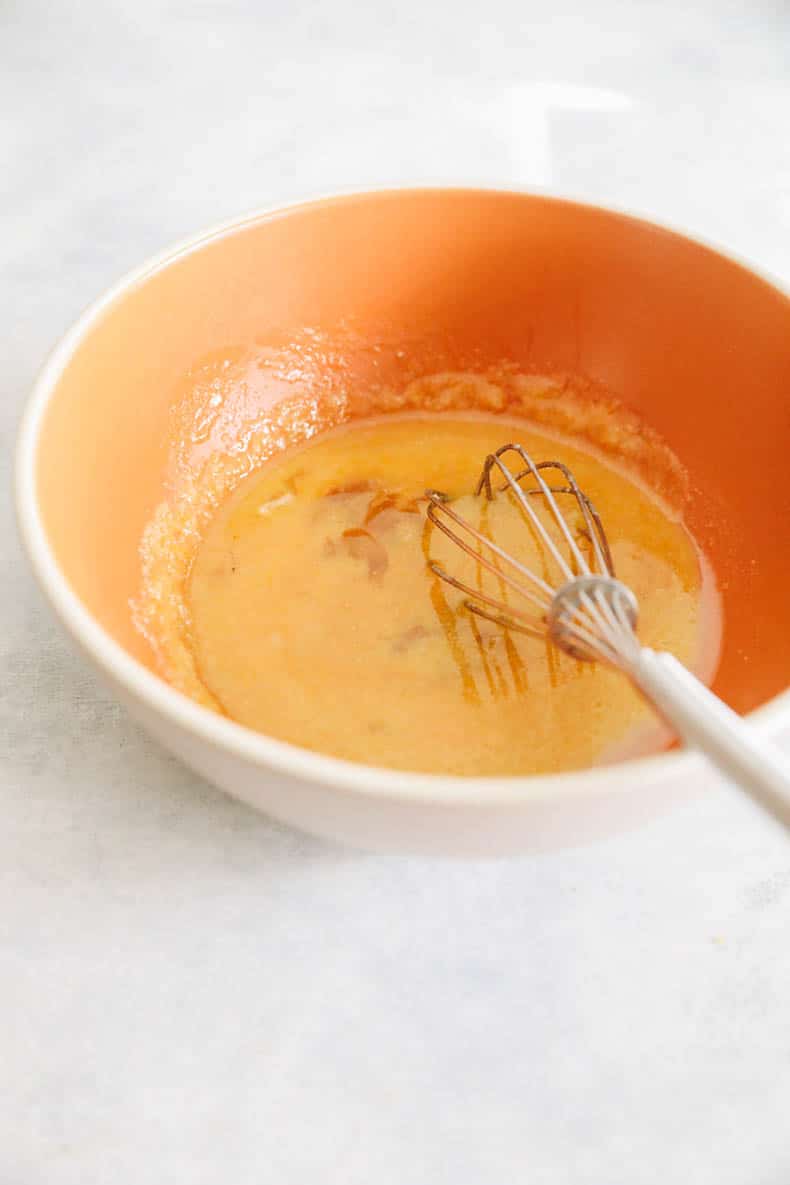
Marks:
<point>315,618</point>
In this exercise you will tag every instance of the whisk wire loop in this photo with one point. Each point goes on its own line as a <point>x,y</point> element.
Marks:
<point>439,510</point>
<point>494,460</point>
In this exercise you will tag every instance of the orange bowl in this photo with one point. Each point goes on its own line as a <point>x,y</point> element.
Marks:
<point>401,283</point>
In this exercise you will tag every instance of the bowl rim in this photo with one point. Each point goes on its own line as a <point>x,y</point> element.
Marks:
<point>267,752</point>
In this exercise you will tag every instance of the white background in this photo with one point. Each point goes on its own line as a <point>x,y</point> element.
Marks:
<point>190,995</point>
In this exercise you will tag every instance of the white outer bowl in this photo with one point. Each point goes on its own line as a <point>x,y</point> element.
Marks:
<point>356,804</point>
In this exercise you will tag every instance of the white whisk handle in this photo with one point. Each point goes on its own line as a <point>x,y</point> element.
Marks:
<point>704,722</point>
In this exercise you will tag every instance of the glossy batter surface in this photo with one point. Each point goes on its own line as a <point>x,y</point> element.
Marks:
<point>315,618</point>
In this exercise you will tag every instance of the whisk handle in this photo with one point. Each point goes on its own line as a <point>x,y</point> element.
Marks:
<point>704,722</point>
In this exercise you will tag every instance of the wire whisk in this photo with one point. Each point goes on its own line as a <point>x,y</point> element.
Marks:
<point>591,615</point>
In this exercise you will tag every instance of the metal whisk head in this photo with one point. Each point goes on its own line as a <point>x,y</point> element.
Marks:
<point>588,612</point>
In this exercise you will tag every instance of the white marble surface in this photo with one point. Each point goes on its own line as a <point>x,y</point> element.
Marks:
<point>189,994</point>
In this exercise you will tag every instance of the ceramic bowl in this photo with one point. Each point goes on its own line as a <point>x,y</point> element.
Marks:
<point>690,339</point>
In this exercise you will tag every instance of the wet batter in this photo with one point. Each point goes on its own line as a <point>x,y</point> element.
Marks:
<point>315,619</point>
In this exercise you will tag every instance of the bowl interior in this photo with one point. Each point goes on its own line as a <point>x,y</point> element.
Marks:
<point>386,287</point>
